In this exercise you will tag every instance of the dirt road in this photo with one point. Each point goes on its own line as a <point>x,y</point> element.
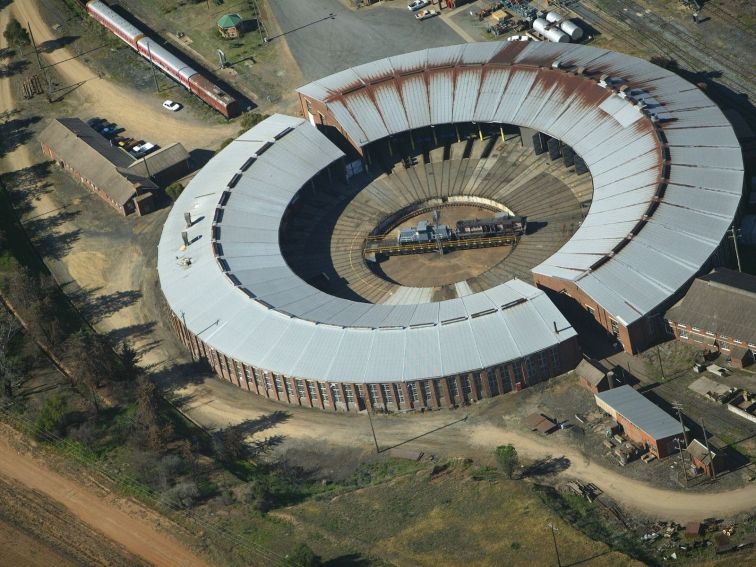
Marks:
<point>131,109</point>
<point>216,404</point>
<point>103,513</point>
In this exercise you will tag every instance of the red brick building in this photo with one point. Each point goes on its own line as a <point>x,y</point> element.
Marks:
<point>642,421</point>
<point>90,159</point>
<point>719,314</point>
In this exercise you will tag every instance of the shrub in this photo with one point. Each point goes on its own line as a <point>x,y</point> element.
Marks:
<point>174,190</point>
<point>301,556</point>
<point>183,495</point>
<point>50,419</point>
<point>250,119</point>
<point>15,34</point>
<point>507,459</point>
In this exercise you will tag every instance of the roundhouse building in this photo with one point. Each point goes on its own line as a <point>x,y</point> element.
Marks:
<point>661,204</point>
<point>237,303</point>
<point>667,168</point>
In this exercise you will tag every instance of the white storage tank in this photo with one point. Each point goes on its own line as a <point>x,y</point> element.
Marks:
<point>571,29</point>
<point>557,36</point>
<point>554,17</point>
<point>540,25</point>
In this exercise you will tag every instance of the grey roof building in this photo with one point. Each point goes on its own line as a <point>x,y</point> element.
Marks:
<point>90,159</point>
<point>643,421</point>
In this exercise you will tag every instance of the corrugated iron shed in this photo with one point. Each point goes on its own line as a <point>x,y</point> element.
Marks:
<point>641,412</point>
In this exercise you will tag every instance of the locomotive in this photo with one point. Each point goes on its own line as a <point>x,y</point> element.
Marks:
<point>499,225</point>
<point>171,65</point>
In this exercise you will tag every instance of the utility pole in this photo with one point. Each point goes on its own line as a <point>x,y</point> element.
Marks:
<point>152,64</point>
<point>39,62</point>
<point>682,460</point>
<point>708,450</point>
<point>735,243</point>
<point>661,367</point>
<point>556,549</point>
<point>678,406</point>
<point>372,429</point>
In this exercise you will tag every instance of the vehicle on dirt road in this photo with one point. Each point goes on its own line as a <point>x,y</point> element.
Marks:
<point>172,106</point>
<point>425,14</point>
<point>415,5</point>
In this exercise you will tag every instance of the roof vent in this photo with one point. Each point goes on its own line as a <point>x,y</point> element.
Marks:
<point>185,237</point>
<point>580,70</point>
<point>283,133</point>
<point>188,220</point>
<point>556,64</point>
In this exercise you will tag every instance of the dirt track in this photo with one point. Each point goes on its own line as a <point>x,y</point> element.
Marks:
<point>216,404</point>
<point>132,110</point>
<point>102,512</point>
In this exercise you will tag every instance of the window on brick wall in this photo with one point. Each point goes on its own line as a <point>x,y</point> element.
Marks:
<point>427,390</point>
<point>289,389</point>
<point>312,390</point>
<point>615,327</point>
<point>555,359</point>
<point>517,370</point>
<point>279,384</point>
<point>349,393</point>
<point>466,386</point>
<point>412,390</point>
<point>268,382</point>
<point>301,389</point>
<point>493,385</point>
<point>248,374</point>
<point>373,391</point>
<point>453,390</point>
<point>683,333</point>
<point>478,384</point>
<point>386,390</point>
<point>336,393</point>
<point>324,393</point>
<point>591,310</point>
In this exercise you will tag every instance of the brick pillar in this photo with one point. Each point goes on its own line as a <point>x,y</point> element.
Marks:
<point>381,399</point>
<point>293,384</point>
<point>236,373</point>
<point>445,390</point>
<point>512,380</point>
<point>434,398</point>
<point>500,379</point>
<point>474,394</point>
<point>368,401</point>
<point>525,376</point>
<point>330,396</point>
<point>420,395</point>
<point>408,403</point>
<point>460,389</point>
<point>307,393</point>
<point>484,382</point>
<point>319,396</point>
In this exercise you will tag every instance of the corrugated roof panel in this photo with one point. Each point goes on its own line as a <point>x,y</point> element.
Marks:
<point>641,412</point>
<point>374,71</point>
<point>723,158</point>
<point>459,353</point>
<point>423,354</point>
<point>466,92</point>
<point>347,122</point>
<point>518,87</point>
<point>491,87</point>
<point>317,355</point>
<point>409,62</point>
<point>702,137</point>
<point>444,56</point>
<point>386,360</point>
<point>441,96</point>
<point>367,115</point>
<point>350,361</point>
<point>415,96</point>
<point>480,52</point>
<point>391,107</point>
<point>495,340</point>
<point>719,179</point>
<point>703,201</point>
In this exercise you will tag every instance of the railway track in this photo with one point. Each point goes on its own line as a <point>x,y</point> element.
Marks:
<point>620,19</point>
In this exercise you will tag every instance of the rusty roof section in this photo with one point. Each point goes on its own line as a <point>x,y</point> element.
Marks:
<point>666,165</point>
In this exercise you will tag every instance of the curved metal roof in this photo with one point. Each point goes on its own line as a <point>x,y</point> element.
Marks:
<point>666,165</point>
<point>232,287</point>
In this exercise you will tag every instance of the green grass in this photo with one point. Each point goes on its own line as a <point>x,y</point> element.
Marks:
<point>443,519</point>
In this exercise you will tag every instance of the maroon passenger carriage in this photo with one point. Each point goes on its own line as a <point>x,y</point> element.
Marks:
<point>171,65</point>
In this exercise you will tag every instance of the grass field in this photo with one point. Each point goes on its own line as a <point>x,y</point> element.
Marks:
<point>446,518</point>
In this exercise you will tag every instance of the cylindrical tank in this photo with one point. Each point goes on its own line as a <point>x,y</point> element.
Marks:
<point>554,17</point>
<point>540,25</point>
<point>571,29</point>
<point>557,36</point>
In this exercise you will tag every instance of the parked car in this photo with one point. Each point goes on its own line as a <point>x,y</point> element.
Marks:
<point>133,144</point>
<point>415,5</point>
<point>425,14</point>
<point>96,122</point>
<point>172,106</point>
<point>143,150</point>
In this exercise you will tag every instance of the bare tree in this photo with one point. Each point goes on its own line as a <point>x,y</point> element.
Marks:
<point>9,366</point>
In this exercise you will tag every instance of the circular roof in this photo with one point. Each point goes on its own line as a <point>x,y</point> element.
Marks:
<point>643,144</point>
